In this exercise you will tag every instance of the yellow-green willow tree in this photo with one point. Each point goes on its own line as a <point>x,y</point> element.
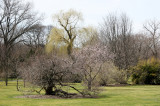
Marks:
<point>64,33</point>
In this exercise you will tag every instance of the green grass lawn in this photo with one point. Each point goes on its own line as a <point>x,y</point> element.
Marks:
<point>147,95</point>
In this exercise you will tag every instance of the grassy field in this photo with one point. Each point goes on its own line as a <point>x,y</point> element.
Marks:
<point>111,96</point>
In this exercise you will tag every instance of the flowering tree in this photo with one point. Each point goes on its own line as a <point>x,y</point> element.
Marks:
<point>89,60</point>
<point>50,74</point>
<point>46,73</point>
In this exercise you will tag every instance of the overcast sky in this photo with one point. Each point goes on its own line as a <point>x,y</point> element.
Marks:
<point>94,10</point>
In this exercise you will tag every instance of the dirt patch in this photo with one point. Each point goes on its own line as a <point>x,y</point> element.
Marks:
<point>38,96</point>
<point>118,85</point>
<point>51,97</point>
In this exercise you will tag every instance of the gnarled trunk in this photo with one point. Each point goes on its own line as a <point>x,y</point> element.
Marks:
<point>49,90</point>
<point>89,85</point>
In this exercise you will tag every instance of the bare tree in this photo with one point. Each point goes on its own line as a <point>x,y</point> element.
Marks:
<point>16,19</point>
<point>36,39</point>
<point>153,31</point>
<point>142,46</point>
<point>116,32</point>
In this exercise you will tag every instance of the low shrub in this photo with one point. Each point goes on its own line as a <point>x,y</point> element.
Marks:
<point>110,74</point>
<point>147,72</point>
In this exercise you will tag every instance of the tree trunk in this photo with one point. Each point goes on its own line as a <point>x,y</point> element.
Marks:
<point>89,85</point>
<point>17,84</point>
<point>49,91</point>
<point>6,78</point>
<point>24,83</point>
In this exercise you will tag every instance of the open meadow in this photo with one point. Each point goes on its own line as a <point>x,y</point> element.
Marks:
<point>138,95</point>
